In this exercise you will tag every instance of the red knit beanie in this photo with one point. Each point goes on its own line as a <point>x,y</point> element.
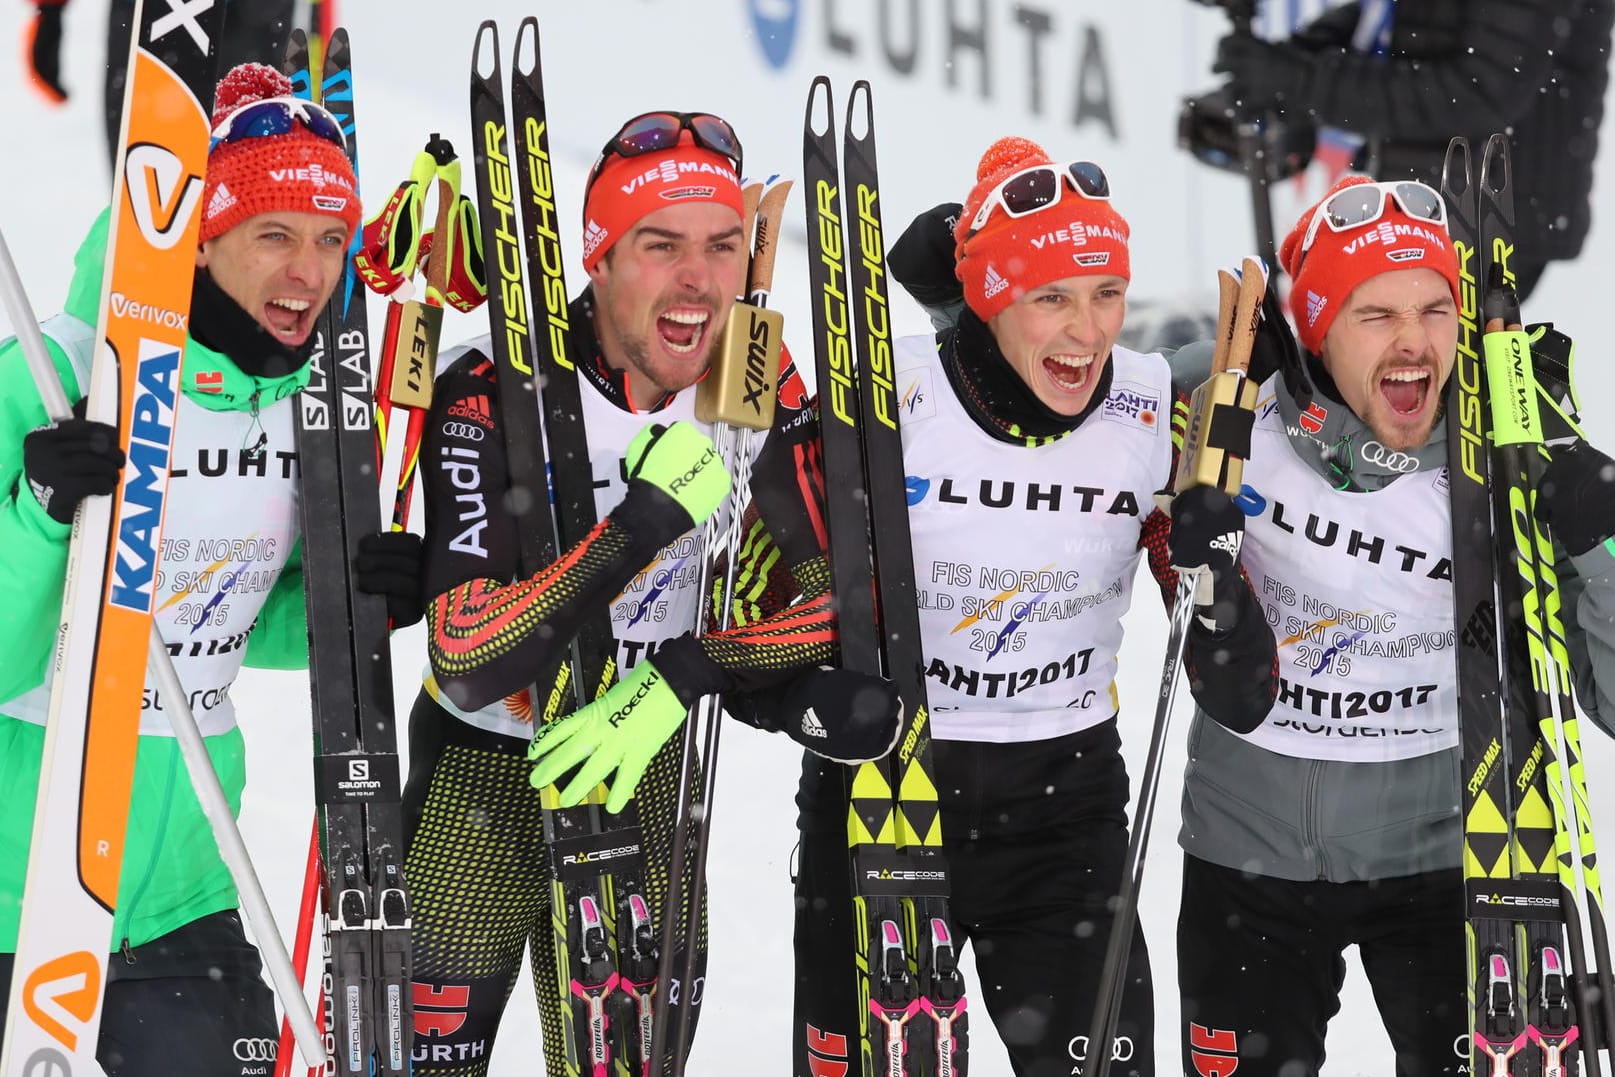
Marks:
<point>298,171</point>
<point>1337,262</point>
<point>1010,256</point>
<point>629,188</point>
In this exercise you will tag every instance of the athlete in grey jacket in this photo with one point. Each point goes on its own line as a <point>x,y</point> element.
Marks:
<point>1336,821</point>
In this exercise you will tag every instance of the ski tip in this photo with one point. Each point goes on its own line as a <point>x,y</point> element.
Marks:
<point>524,58</point>
<point>820,125</point>
<point>1455,166</point>
<point>485,51</point>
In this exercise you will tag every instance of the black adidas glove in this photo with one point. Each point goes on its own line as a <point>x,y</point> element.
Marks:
<point>1207,530</point>
<point>1576,499</point>
<point>922,258</point>
<point>845,717</point>
<point>67,461</point>
<point>389,564</point>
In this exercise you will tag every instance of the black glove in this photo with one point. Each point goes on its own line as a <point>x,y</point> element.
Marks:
<point>1576,499</point>
<point>68,461</point>
<point>1207,530</point>
<point>1264,73</point>
<point>922,258</point>
<point>45,51</point>
<point>840,715</point>
<point>1275,350</point>
<point>389,564</point>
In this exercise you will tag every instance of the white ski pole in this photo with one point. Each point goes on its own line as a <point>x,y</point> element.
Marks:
<point>204,780</point>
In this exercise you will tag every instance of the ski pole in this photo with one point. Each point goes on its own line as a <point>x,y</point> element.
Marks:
<point>204,780</point>
<point>307,908</point>
<point>1215,447</point>
<point>737,397</point>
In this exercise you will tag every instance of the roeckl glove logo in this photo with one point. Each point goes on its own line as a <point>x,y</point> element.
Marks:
<point>689,476</point>
<point>621,715</point>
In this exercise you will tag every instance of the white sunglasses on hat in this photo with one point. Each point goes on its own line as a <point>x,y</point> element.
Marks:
<point>1364,203</point>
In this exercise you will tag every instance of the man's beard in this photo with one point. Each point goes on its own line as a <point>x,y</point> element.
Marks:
<point>636,352</point>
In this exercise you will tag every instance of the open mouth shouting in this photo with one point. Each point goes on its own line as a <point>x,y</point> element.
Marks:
<point>291,319</point>
<point>1068,373</point>
<point>683,330</point>
<point>1407,392</point>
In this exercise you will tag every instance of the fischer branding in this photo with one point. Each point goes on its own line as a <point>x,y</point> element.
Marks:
<point>1467,368</point>
<point>145,478</point>
<point>507,255</point>
<point>834,297</point>
<point>542,222</point>
<point>879,331</point>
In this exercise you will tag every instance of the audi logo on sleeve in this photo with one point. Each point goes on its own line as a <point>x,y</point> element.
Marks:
<point>254,1049</point>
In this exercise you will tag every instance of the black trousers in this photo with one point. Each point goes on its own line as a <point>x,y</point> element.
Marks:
<point>189,1004</point>
<point>1035,836</point>
<point>1260,966</point>
<point>480,890</point>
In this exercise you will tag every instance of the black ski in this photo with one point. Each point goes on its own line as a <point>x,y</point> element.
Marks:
<point>604,940</point>
<point>913,1018</point>
<point>1534,1011</point>
<point>367,970</point>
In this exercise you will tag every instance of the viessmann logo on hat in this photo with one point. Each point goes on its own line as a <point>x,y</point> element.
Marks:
<point>311,173</point>
<point>1387,233</point>
<point>672,170</point>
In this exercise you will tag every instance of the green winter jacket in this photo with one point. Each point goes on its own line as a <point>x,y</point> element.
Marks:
<point>172,873</point>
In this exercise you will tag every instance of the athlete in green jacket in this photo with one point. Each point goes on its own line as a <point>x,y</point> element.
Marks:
<point>279,206</point>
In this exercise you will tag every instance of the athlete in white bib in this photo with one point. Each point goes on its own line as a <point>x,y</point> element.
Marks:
<point>227,576</point>
<point>1335,822</point>
<point>1033,447</point>
<point>666,258</point>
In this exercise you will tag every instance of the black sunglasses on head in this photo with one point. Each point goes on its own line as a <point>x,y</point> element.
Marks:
<point>653,132</point>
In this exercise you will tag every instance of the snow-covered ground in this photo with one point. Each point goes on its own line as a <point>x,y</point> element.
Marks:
<point>1099,81</point>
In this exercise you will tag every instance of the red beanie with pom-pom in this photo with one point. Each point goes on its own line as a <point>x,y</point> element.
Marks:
<point>298,171</point>
<point>1010,256</point>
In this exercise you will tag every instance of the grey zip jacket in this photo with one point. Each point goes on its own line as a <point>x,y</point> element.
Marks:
<point>1345,819</point>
